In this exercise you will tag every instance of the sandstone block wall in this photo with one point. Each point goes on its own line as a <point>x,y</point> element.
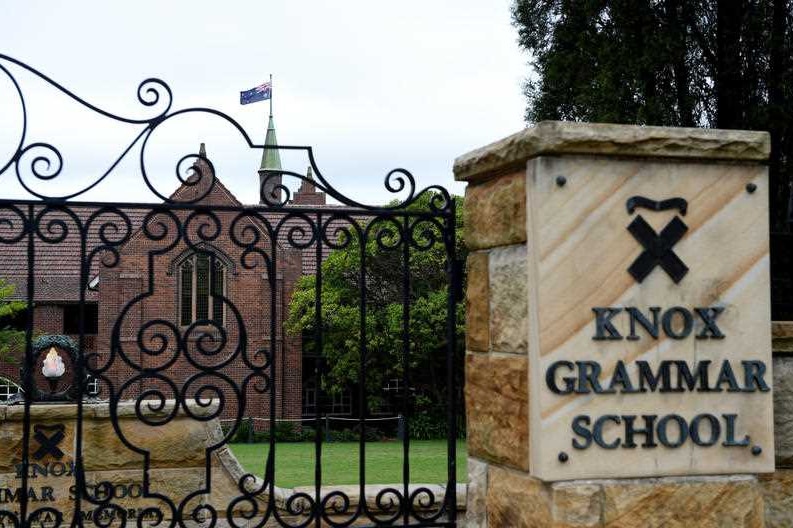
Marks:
<point>501,491</point>
<point>177,448</point>
<point>778,488</point>
<point>188,465</point>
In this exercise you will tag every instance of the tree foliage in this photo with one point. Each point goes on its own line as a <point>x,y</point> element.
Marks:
<point>342,289</point>
<point>12,340</point>
<point>706,63</point>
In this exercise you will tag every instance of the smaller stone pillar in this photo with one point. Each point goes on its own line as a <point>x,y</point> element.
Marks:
<point>601,255</point>
<point>778,486</point>
<point>177,444</point>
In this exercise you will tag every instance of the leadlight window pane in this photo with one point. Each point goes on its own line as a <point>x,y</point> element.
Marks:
<point>309,398</point>
<point>342,403</point>
<point>202,287</point>
<point>187,293</point>
<point>217,289</point>
<point>7,389</point>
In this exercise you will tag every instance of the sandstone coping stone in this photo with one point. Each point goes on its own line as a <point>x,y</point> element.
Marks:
<point>497,403</point>
<point>477,303</point>
<point>783,410</point>
<point>476,505</point>
<point>777,489</point>
<point>509,298</point>
<point>604,139</point>
<point>124,409</point>
<point>495,212</point>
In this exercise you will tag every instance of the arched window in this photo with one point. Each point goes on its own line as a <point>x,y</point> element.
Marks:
<point>202,279</point>
<point>7,389</point>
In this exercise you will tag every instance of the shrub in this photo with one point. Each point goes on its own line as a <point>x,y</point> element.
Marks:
<point>425,426</point>
<point>308,434</point>
<point>433,426</point>
<point>287,432</point>
<point>244,432</point>
<point>343,435</point>
<point>371,434</point>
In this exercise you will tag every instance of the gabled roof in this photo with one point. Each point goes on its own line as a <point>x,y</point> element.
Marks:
<point>57,266</point>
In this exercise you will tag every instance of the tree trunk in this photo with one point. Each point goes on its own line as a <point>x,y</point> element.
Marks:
<point>728,83</point>
<point>643,25</point>
<point>779,186</point>
<point>679,38</point>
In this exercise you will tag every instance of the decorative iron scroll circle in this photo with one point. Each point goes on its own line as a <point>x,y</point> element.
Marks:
<point>43,161</point>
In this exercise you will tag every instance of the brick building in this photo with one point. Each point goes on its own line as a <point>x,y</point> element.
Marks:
<point>188,305</point>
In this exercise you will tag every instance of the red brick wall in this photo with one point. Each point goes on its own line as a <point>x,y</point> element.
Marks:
<point>48,319</point>
<point>247,289</point>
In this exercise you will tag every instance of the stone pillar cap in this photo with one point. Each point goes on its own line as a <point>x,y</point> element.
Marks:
<point>124,409</point>
<point>604,139</point>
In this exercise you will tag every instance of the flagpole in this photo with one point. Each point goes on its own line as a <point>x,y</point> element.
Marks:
<point>271,95</point>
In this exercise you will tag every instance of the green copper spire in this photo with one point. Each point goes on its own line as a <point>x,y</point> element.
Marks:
<point>271,158</point>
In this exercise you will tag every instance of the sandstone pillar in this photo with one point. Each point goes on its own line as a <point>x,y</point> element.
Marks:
<point>778,487</point>
<point>598,251</point>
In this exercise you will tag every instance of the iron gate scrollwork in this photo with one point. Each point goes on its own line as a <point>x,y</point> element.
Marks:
<point>201,355</point>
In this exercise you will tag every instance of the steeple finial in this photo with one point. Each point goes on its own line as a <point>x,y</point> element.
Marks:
<point>202,150</point>
<point>310,173</point>
<point>271,162</point>
<point>271,158</point>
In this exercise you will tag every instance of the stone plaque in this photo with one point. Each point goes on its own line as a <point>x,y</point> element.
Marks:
<point>649,311</point>
<point>113,473</point>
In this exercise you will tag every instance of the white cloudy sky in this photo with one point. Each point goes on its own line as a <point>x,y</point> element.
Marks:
<point>371,85</point>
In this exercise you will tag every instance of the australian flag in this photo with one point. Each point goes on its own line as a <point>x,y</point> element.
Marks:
<point>254,95</point>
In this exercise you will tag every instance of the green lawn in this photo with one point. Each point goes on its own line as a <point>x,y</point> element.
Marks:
<point>294,462</point>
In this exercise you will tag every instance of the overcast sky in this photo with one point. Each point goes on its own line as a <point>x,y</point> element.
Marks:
<point>371,85</point>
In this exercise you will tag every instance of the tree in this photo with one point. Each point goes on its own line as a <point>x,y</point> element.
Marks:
<point>12,340</point>
<point>341,291</point>
<point>710,63</point>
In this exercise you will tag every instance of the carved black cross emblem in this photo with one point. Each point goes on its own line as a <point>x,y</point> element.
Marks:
<point>48,445</point>
<point>657,247</point>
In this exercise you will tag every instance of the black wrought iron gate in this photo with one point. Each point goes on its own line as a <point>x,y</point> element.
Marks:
<point>178,313</point>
